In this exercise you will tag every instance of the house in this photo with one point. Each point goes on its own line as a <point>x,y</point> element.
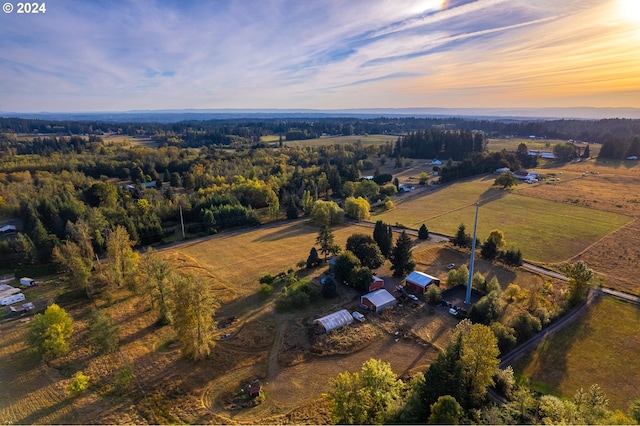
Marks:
<point>525,175</point>
<point>335,320</point>
<point>417,282</point>
<point>378,300</point>
<point>376,284</point>
<point>27,281</point>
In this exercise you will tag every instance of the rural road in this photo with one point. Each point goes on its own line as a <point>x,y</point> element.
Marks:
<point>544,271</point>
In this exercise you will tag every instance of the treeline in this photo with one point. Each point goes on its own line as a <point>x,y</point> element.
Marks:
<point>619,149</point>
<point>435,143</point>
<point>207,132</point>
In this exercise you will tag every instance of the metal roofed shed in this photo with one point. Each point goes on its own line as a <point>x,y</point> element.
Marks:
<point>419,281</point>
<point>335,320</point>
<point>378,300</point>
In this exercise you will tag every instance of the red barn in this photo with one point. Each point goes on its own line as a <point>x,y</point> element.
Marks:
<point>417,282</point>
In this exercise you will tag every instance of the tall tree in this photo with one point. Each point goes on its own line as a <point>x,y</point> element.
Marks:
<point>356,208</point>
<point>103,332</point>
<point>462,239</point>
<point>76,267</point>
<point>158,277</point>
<point>580,281</point>
<point>325,240</point>
<point>423,232</point>
<point>446,411</point>
<point>383,235</point>
<point>366,397</point>
<point>50,332</point>
<point>123,261</point>
<point>194,307</point>
<point>401,259</point>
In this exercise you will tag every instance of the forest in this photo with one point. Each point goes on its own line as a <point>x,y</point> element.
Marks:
<point>217,174</point>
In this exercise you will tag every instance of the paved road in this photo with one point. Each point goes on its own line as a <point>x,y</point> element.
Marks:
<point>544,271</point>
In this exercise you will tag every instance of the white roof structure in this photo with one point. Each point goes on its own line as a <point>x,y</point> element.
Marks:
<point>380,297</point>
<point>420,278</point>
<point>335,320</point>
<point>7,290</point>
<point>7,228</point>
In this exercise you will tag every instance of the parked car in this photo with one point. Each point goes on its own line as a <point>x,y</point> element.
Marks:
<point>225,336</point>
<point>453,312</point>
<point>412,297</point>
<point>451,266</point>
<point>358,316</point>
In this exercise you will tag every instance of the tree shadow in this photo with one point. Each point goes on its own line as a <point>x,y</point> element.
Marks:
<point>288,231</point>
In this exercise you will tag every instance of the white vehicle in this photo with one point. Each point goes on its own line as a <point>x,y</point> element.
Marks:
<point>412,297</point>
<point>358,316</point>
<point>26,281</point>
<point>453,312</point>
<point>451,266</point>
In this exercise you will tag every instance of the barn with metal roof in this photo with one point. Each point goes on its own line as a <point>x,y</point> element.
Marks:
<point>378,300</point>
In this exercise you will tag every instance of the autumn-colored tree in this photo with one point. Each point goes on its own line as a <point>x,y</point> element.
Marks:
<point>76,267</point>
<point>123,260</point>
<point>50,332</point>
<point>194,308</point>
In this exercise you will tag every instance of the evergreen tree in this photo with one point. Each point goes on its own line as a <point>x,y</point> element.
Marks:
<point>103,332</point>
<point>313,259</point>
<point>366,250</point>
<point>383,236</point>
<point>401,260</point>
<point>325,240</point>
<point>462,239</point>
<point>423,232</point>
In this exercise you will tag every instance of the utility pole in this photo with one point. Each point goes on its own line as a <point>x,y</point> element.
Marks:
<point>467,299</point>
<point>182,222</point>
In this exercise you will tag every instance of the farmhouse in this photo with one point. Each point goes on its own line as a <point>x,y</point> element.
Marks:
<point>417,282</point>
<point>376,284</point>
<point>525,175</point>
<point>335,320</point>
<point>378,300</point>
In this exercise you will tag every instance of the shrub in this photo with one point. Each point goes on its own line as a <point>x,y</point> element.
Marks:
<point>267,279</point>
<point>266,290</point>
<point>79,384</point>
<point>123,380</point>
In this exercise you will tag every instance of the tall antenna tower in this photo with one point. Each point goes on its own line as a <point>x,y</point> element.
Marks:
<point>467,299</point>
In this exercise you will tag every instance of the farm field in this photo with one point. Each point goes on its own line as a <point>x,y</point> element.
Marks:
<point>602,347</point>
<point>332,140</point>
<point>528,223</point>
<point>511,144</point>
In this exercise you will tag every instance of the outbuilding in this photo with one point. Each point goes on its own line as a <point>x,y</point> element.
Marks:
<point>335,320</point>
<point>378,300</point>
<point>417,282</point>
<point>376,284</point>
<point>26,281</point>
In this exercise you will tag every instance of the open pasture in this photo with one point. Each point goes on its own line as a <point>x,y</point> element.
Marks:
<point>546,145</point>
<point>602,347</point>
<point>544,230</point>
<point>333,140</point>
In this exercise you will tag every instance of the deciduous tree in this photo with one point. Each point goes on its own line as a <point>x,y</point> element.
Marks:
<point>123,260</point>
<point>103,332</point>
<point>50,332</point>
<point>366,250</point>
<point>158,278</point>
<point>76,267</point>
<point>356,208</point>
<point>194,307</point>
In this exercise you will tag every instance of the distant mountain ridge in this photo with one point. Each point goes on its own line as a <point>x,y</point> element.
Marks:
<point>174,115</point>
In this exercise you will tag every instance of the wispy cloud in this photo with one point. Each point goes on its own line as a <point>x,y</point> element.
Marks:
<point>124,54</point>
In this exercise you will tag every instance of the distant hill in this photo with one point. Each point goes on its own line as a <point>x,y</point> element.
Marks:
<point>222,114</point>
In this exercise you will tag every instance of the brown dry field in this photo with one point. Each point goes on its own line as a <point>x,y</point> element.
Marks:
<point>610,186</point>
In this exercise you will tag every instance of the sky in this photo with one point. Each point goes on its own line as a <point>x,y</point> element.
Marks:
<point>83,55</point>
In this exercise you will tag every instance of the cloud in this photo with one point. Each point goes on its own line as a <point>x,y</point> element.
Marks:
<point>124,55</point>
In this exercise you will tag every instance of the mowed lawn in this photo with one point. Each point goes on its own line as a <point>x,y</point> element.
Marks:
<point>602,347</point>
<point>239,259</point>
<point>544,230</point>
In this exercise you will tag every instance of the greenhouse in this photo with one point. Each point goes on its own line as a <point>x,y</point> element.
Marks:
<point>335,320</point>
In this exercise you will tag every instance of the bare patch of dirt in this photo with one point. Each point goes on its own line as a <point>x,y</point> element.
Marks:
<point>344,340</point>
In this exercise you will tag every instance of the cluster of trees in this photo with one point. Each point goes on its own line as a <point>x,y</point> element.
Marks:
<point>454,390</point>
<point>436,143</point>
<point>619,149</point>
<point>492,248</point>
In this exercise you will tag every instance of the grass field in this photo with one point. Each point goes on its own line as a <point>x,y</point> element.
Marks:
<point>511,144</point>
<point>332,140</point>
<point>544,230</point>
<point>602,347</point>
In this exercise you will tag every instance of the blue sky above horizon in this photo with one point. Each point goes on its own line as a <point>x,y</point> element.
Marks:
<point>322,54</point>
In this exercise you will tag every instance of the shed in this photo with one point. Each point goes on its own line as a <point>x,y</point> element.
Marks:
<point>378,300</point>
<point>335,320</point>
<point>419,281</point>
<point>8,229</point>
<point>26,281</point>
<point>376,284</point>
